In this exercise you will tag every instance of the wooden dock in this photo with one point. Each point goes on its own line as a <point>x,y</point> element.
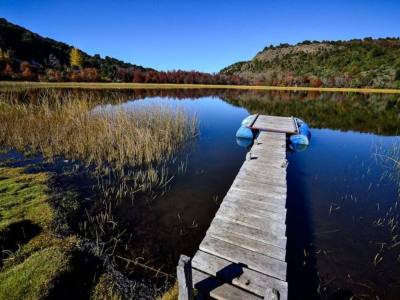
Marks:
<point>243,253</point>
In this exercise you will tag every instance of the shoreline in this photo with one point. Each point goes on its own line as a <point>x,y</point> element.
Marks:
<point>106,85</point>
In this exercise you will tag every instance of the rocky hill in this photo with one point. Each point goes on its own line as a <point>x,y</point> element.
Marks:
<point>355,63</point>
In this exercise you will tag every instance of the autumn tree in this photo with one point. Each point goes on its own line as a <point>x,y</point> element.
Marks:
<point>4,55</point>
<point>26,71</point>
<point>76,58</point>
<point>27,74</point>
<point>90,74</point>
<point>138,76</point>
<point>8,71</point>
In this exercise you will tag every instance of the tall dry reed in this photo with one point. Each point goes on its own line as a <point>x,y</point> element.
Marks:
<point>70,127</point>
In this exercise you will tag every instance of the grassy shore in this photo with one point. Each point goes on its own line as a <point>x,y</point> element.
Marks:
<point>32,256</point>
<point>103,85</point>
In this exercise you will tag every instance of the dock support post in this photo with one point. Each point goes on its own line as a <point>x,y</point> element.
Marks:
<point>185,282</point>
<point>271,294</point>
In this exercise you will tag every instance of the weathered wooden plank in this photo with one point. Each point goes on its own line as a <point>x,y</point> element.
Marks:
<point>278,228</point>
<point>253,260</point>
<point>266,138</point>
<point>254,176</point>
<point>238,275</point>
<point>261,161</point>
<point>275,120</point>
<point>283,126</point>
<point>267,158</point>
<point>256,187</point>
<point>276,153</point>
<point>272,199</point>
<point>264,172</point>
<point>270,140</point>
<point>255,211</point>
<point>209,285</point>
<point>273,128</point>
<point>279,148</point>
<point>271,122</point>
<point>272,135</point>
<point>269,126</point>
<point>249,232</point>
<point>267,142</point>
<point>266,193</point>
<point>243,181</point>
<point>251,244</point>
<point>255,204</point>
<point>243,212</point>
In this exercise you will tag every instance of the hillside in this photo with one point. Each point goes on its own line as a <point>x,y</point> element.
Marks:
<point>25,55</point>
<point>355,63</point>
<point>19,45</point>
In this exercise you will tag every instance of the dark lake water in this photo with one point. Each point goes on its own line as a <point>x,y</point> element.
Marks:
<point>343,191</point>
<point>338,189</point>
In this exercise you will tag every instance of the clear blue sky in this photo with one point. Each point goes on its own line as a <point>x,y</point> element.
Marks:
<point>203,35</point>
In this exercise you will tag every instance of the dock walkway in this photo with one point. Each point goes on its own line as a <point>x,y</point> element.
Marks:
<point>243,255</point>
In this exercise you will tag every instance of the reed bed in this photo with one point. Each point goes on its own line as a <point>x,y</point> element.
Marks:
<point>135,144</point>
<point>101,137</point>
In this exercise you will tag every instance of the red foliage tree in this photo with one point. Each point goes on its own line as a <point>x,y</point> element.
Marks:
<point>138,77</point>
<point>90,74</point>
<point>27,73</point>
<point>8,71</point>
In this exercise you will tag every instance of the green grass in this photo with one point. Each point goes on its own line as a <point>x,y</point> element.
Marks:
<point>106,290</point>
<point>23,197</point>
<point>32,265</point>
<point>101,85</point>
<point>171,294</point>
<point>34,277</point>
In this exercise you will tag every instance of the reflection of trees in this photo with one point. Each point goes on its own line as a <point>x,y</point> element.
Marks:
<point>377,113</point>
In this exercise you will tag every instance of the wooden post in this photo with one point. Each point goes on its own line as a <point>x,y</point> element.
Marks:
<point>271,294</point>
<point>185,282</point>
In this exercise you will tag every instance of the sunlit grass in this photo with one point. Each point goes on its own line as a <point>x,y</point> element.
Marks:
<point>33,278</point>
<point>23,197</point>
<point>171,294</point>
<point>32,257</point>
<point>100,85</point>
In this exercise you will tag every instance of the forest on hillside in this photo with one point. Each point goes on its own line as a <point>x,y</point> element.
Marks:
<point>25,55</point>
<point>356,63</point>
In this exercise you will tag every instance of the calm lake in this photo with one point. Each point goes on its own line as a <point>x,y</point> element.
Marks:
<point>343,191</point>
